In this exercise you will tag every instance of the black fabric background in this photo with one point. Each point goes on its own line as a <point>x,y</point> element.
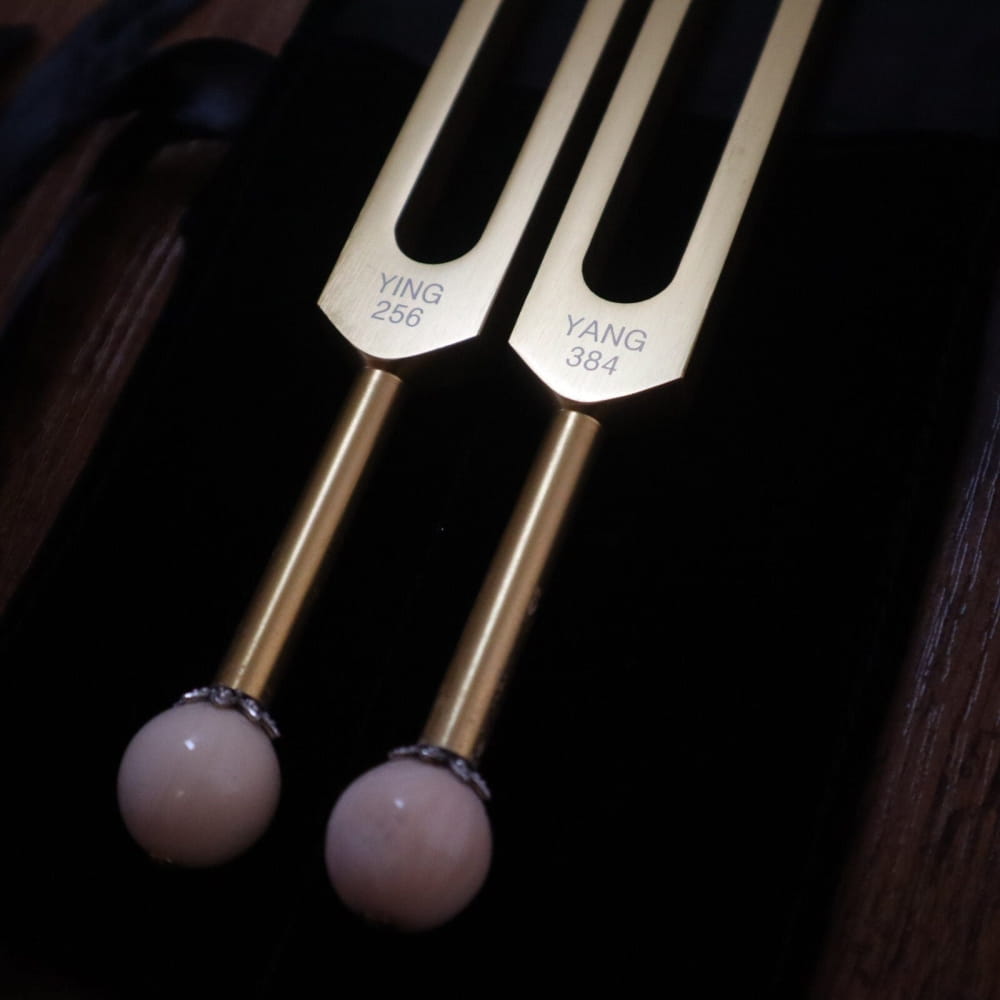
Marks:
<point>691,718</point>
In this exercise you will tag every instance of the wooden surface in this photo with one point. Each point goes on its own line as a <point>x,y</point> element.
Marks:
<point>100,308</point>
<point>918,913</point>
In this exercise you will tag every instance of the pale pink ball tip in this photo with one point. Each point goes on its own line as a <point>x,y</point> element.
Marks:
<point>198,785</point>
<point>408,844</point>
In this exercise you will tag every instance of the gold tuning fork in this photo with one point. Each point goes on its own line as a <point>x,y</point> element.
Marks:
<point>407,843</point>
<point>197,786</point>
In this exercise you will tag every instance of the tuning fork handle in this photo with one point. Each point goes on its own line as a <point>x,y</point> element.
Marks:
<point>464,706</point>
<point>251,662</point>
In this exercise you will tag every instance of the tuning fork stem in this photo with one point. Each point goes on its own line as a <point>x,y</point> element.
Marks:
<point>461,714</point>
<point>251,662</point>
<point>198,786</point>
<point>407,843</point>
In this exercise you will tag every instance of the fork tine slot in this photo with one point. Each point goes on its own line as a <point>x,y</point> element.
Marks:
<point>168,808</point>
<point>652,339</point>
<point>463,288</point>
<point>438,854</point>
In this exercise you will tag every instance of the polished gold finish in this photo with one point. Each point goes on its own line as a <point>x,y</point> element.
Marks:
<point>635,346</point>
<point>461,714</point>
<point>390,306</point>
<point>588,349</point>
<point>256,649</point>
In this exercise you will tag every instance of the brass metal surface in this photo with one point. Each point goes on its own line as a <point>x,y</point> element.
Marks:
<point>266,627</point>
<point>461,714</point>
<point>390,306</point>
<point>589,349</point>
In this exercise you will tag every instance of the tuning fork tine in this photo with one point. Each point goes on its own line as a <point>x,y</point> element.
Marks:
<point>372,265</point>
<point>423,865</point>
<point>389,307</point>
<point>657,334</point>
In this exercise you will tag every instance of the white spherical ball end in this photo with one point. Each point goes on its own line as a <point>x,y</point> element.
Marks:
<point>198,785</point>
<point>408,844</point>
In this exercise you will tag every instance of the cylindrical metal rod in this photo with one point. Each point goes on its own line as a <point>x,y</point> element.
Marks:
<point>464,704</point>
<point>250,663</point>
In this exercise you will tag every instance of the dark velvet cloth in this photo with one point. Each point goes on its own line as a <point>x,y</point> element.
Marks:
<point>677,762</point>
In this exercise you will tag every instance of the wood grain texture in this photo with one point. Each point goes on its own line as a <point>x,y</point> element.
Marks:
<point>918,914</point>
<point>102,306</point>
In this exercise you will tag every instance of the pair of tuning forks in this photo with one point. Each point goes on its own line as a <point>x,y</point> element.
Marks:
<point>409,842</point>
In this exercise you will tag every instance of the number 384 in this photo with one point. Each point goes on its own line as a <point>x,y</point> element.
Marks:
<point>591,361</point>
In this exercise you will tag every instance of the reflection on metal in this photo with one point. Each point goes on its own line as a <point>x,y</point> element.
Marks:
<point>459,719</point>
<point>587,349</point>
<point>650,341</point>
<point>391,307</point>
<point>270,620</point>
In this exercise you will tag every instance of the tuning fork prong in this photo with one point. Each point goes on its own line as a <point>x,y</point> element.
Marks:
<point>197,786</point>
<point>406,843</point>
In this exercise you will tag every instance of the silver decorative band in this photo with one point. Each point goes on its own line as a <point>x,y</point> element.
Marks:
<point>458,765</point>
<point>227,697</point>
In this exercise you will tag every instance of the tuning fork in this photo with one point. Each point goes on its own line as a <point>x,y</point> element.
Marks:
<point>197,786</point>
<point>410,844</point>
